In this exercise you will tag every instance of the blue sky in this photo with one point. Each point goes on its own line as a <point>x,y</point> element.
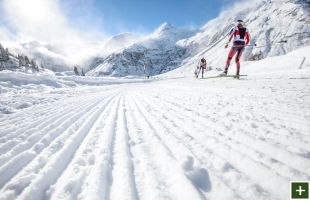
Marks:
<point>79,20</point>
<point>115,16</point>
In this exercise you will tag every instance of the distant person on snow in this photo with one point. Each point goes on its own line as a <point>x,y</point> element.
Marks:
<point>201,67</point>
<point>241,38</point>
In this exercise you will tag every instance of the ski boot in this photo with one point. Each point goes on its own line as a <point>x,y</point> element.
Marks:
<point>237,76</point>
<point>224,73</point>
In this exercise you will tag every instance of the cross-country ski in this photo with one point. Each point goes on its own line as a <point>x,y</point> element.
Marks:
<point>223,76</point>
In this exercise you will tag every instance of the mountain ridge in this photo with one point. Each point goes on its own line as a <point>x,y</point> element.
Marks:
<point>267,22</point>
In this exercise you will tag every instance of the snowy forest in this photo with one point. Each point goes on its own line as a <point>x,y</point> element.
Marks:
<point>11,62</point>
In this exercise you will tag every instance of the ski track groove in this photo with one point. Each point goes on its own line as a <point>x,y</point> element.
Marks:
<point>17,117</point>
<point>260,95</point>
<point>176,155</point>
<point>7,134</point>
<point>123,184</point>
<point>38,189</point>
<point>257,151</point>
<point>84,157</point>
<point>16,163</point>
<point>291,131</point>
<point>254,112</point>
<point>175,178</point>
<point>29,128</point>
<point>46,131</point>
<point>220,179</point>
<point>98,181</point>
<point>39,165</point>
<point>88,98</point>
<point>148,184</point>
<point>31,136</point>
<point>278,116</point>
<point>251,107</point>
<point>294,119</point>
<point>258,147</point>
<point>35,112</point>
<point>52,106</point>
<point>249,173</point>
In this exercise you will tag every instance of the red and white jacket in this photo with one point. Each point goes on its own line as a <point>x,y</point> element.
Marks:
<point>239,34</point>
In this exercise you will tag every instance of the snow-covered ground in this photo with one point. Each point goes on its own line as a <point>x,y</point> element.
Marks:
<point>173,137</point>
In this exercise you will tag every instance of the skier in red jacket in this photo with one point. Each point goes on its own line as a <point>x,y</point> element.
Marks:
<point>241,38</point>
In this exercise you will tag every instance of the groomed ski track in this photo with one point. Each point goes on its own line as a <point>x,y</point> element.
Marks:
<point>188,139</point>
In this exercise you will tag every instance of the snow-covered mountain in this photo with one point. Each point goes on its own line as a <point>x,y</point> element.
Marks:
<point>120,41</point>
<point>155,54</point>
<point>268,22</point>
<point>168,47</point>
<point>112,45</point>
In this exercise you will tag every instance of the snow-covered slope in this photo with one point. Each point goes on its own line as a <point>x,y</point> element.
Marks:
<point>273,65</point>
<point>156,54</point>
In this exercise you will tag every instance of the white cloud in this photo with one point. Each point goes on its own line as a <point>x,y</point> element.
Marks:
<point>50,21</point>
<point>39,19</point>
<point>44,21</point>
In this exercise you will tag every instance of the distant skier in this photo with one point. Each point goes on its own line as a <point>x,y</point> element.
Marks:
<point>201,67</point>
<point>241,39</point>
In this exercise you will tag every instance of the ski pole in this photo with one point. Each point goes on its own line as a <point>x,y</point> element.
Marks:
<point>272,44</point>
<point>213,45</point>
<point>255,45</point>
<point>249,45</point>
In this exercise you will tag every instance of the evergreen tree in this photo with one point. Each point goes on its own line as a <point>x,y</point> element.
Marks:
<point>42,66</point>
<point>76,71</point>
<point>7,54</point>
<point>1,52</point>
<point>2,58</point>
<point>34,65</point>
<point>23,60</point>
<point>27,62</point>
<point>20,61</point>
<point>1,49</point>
<point>82,73</point>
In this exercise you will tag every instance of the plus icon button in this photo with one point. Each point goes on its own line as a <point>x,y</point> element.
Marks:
<point>300,190</point>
